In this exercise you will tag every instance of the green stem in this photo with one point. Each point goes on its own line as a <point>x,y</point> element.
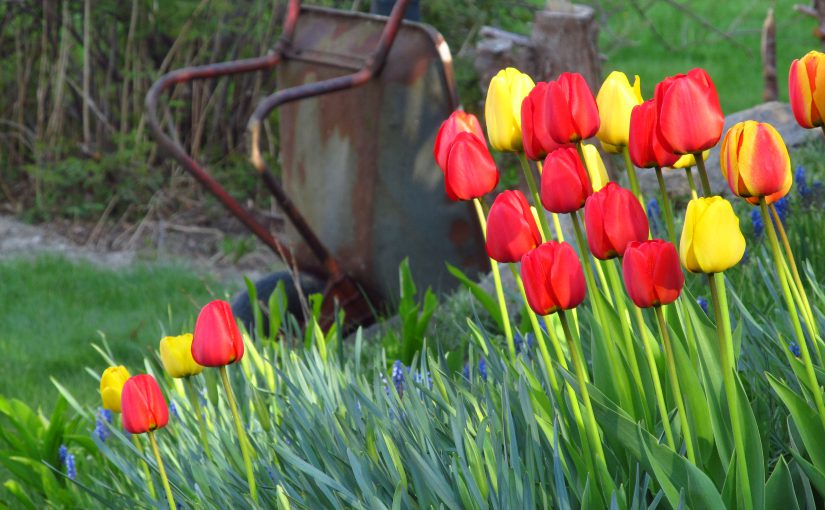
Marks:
<point>691,183</point>
<point>150,485</point>
<point>196,408</point>
<point>242,439</point>
<point>674,384</point>
<point>728,376</point>
<point>531,183</point>
<point>169,496</point>
<point>603,279</point>
<point>671,229</point>
<point>631,175</point>
<point>805,304</point>
<point>800,337</point>
<point>502,304</point>
<point>703,174</point>
<point>654,374</point>
<point>593,428</point>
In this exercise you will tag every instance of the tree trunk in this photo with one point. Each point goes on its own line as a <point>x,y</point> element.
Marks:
<point>565,38</point>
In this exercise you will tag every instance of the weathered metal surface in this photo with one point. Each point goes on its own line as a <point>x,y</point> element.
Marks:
<point>358,163</point>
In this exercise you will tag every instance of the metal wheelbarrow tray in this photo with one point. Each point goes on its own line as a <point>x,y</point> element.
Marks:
<point>361,99</point>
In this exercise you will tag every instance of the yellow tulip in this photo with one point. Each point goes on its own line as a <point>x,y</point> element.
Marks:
<point>616,99</point>
<point>111,386</point>
<point>502,109</point>
<point>176,355</point>
<point>711,240</point>
<point>688,160</point>
<point>595,167</point>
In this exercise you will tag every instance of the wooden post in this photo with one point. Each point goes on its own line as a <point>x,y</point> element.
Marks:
<point>565,38</point>
<point>771,92</point>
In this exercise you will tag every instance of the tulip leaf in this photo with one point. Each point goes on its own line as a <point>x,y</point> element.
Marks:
<point>779,490</point>
<point>486,300</point>
<point>806,421</point>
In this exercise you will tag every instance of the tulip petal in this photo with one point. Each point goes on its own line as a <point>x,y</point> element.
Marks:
<point>718,243</point>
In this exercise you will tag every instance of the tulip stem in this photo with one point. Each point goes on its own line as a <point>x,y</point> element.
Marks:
<point>806,305</point>
<point>654,374</point>
<point>703,174</point>
<point>593,428</point>
<point>169,496</point>
<point>691,183</point>
<point>720,305</point>
<point>150,485</point>
<point>631,175</point>
<point>196,408</point>
<point>502,304</point>
<point>800,336</point>
<point>674,384</point>
<point>242,439</point>
<point>671,229</point>
<point>531,183</point>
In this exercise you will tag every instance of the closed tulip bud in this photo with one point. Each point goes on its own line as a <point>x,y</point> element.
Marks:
<point>689,115</point>
<point>595,167</point>
<point>572,114</point>
<point>502,109</point>
<point>645,146</point>
<point>652,274</point>
<point>176,356</point>
<point>111,386</point>
<point>470,172</point>
<point>565,184</point>
<point>144,407</point>
<point>511,228</point>
<point>755,162</point>
<point>217,340</point>
<point>613,218</point>
<point>458,122</point>
<point>535,132</point>
<point>806,86</point>
<point>553,278</point>
<point>689,160</point>
<point>616,99</point>
<point>711,240</point>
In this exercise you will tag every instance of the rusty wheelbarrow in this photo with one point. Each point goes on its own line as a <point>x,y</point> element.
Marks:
<point>361,98</point>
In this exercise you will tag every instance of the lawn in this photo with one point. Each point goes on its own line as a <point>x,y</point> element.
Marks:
<point>52,310</point>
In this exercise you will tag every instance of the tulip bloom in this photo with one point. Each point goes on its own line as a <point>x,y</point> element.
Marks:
<point>458,122</point>
<point>806,86</point>
<point>511,228</point>
<point>645,146</point>
<point>711,240</point>
<point>553,278</point>
<point>616,99</point>
<point>595,167</point>
<point>144,408</point>
<point>176,356</point>
<point>652,274</point>
<point>689,160</point>
<point>535,132</point>
<point>470,172</point>
<point>217,340</point>
<point>613,218</point>
<point>572,113</point>
<point>565,184</point>
<point>502,109</point>
<point>111,386</point>
<point>755,162</point>
<point>690,118</point>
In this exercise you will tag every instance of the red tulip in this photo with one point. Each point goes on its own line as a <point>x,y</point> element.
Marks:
<point>652,273</point>
<point>143,405</point>
<point>470,172</point>
<point>553,278</point>
<point>217,341</point>
<point>806,86</point>
<point>690,118</point>
<point>645,147</point>
<point>535,133</point>
<point>572,114</point>
<point>511,228</point>
<point>613,218</point>
<point>458,122</point>
<point>565,184</point>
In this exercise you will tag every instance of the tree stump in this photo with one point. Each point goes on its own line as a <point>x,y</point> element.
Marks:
<point>565,38</point>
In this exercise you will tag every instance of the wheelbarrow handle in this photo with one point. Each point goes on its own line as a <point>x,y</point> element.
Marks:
<point>176,150</point>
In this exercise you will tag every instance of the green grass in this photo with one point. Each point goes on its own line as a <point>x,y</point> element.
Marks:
<point>734,63</point>
<point>52,310</point>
